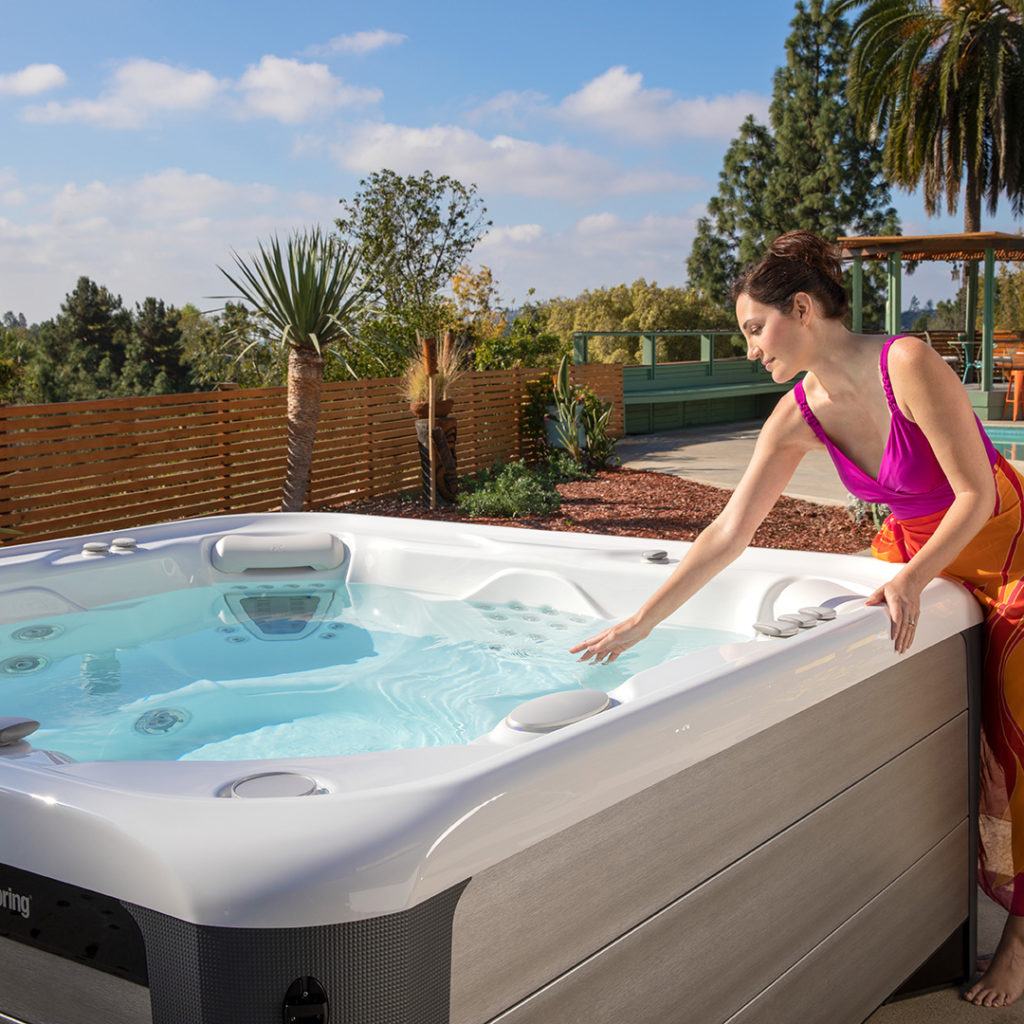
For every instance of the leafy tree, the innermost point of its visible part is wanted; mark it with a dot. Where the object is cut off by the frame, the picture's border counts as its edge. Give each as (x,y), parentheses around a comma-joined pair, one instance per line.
(16,340)
(80,354)
(305,299)
(479,318)
(229,349)
(738,225)
(153,353)
(944,82)
(1010,297)
(526,342)
(414,232)
(811,168)
(636,307)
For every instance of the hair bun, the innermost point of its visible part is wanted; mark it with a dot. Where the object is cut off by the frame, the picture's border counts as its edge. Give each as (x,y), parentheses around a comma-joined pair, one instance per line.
(796,261)
(812,249)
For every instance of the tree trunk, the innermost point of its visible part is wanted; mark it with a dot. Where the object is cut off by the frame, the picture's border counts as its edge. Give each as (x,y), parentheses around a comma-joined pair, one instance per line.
(305,380)
(972,222)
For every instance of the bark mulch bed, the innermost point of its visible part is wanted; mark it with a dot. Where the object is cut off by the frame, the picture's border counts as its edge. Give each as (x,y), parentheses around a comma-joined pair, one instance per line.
(644,503)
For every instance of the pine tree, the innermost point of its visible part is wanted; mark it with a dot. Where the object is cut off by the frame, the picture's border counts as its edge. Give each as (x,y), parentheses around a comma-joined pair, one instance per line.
(153,354)
(80,354)
(809,170)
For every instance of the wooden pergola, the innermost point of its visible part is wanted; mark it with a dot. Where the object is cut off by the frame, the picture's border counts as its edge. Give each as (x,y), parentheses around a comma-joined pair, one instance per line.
(967,247)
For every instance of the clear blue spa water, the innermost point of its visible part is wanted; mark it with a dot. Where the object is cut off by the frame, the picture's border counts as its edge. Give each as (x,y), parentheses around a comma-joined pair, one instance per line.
(293,670)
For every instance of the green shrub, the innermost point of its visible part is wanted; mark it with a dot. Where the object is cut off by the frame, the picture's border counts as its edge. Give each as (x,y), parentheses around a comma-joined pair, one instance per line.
(510,490)
(863,512)
(560,468)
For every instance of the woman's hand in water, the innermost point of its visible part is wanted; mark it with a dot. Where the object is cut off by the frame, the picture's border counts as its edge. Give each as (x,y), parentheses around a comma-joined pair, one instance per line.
(611,642)
(902,597)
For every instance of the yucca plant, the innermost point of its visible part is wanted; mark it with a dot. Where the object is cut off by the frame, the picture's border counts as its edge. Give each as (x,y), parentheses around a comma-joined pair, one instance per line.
(307,296)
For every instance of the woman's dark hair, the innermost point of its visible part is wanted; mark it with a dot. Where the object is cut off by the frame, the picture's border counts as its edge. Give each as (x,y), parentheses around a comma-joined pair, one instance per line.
(798,261)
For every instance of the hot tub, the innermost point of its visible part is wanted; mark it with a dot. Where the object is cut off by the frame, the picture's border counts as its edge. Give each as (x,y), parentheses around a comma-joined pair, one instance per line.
(338,768)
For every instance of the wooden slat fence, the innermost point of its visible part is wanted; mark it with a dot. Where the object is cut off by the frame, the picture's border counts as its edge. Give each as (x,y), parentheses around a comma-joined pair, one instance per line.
(88,467)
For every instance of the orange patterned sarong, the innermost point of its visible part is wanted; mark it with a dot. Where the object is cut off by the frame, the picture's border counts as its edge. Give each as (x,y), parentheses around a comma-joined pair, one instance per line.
(991,567)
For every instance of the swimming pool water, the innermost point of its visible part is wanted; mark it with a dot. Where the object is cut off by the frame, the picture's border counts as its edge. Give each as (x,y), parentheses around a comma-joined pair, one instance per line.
(1008,440)
(297,670)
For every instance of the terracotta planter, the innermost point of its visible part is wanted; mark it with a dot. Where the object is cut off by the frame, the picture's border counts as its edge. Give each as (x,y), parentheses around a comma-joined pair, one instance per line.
(442,407)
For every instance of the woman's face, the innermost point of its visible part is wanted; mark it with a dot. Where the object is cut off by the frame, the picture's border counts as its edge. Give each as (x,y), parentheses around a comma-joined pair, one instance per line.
(773,337)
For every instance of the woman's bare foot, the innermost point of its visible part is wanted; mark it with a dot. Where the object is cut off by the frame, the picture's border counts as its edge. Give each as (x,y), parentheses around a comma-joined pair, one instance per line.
(1003,981)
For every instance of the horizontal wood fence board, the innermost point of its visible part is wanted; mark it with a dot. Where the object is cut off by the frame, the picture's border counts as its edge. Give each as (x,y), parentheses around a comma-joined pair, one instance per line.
(110,464)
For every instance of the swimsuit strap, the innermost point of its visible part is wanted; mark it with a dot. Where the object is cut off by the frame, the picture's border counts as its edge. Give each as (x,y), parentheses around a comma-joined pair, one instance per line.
(884,360)
(798,393)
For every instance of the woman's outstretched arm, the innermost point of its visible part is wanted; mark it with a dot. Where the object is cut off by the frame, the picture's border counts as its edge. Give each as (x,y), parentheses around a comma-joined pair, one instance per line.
(782,442)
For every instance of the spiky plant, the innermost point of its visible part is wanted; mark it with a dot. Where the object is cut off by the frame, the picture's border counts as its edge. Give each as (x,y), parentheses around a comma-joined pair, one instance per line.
(307,296)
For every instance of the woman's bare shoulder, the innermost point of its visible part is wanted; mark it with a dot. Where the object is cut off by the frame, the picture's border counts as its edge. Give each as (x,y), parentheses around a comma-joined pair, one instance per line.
(786,426)
(917,374)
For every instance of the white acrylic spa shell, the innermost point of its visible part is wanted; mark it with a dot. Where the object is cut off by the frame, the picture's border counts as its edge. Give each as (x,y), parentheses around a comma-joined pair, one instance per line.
(384,831)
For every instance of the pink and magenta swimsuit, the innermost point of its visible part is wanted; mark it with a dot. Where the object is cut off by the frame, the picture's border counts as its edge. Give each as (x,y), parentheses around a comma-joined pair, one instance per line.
(910,480)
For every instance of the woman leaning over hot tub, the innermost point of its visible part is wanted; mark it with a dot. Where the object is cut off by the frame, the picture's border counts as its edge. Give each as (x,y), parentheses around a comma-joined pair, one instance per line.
(900,429)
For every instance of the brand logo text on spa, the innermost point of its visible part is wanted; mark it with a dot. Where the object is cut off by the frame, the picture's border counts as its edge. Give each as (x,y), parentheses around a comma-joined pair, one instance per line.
(13,901)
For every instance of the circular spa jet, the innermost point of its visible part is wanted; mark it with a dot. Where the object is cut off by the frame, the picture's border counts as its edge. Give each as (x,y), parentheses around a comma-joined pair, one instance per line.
(23,664)
(161,721)
(41,632)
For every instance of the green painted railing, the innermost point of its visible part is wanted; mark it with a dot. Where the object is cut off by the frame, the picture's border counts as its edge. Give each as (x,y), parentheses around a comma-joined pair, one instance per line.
(677,378)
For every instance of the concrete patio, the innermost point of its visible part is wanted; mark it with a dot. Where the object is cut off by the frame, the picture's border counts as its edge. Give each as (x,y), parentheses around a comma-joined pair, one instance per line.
(718,455)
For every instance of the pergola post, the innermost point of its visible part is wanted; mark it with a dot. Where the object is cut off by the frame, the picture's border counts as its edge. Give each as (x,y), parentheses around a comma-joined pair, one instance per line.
(971,312)
(649,352)
(988,319)
(579,348)
(858,294)
(893,300)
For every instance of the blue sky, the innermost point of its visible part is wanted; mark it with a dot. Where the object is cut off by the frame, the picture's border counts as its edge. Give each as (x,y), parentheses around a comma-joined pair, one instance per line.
(144,141)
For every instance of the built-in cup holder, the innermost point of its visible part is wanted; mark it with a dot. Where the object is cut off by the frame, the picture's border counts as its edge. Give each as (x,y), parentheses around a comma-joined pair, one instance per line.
(273,784)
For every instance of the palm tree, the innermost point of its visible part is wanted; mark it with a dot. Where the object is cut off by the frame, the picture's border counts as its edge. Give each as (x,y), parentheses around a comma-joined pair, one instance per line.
(307,298)
(944,79)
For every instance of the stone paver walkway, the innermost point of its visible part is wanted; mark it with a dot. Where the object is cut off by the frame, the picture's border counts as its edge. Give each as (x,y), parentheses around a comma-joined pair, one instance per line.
(719,454)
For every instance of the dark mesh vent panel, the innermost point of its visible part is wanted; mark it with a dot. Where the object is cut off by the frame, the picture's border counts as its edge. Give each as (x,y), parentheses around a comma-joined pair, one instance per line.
(394,969)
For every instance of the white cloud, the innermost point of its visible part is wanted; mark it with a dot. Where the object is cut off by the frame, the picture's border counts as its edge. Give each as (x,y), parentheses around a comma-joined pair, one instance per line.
(32,80)
(598,249)
(166,198)
(616,102)
(510,107)
(360,42)
(286,90)
(501,164)
(162,234)
(138,89)
(291,91)
(516,234)
(597,223)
